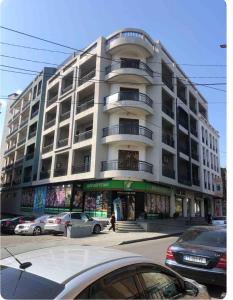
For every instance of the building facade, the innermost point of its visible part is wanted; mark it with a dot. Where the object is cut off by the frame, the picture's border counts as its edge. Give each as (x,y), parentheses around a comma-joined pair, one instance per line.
(122,130)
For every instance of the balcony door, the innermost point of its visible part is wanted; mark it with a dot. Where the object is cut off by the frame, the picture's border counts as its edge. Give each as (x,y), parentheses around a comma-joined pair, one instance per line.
(130,63)
(129,94)
(128,126)
(128,160)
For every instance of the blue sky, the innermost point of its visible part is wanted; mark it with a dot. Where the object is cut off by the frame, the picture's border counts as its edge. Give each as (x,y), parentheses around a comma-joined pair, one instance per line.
(190,30)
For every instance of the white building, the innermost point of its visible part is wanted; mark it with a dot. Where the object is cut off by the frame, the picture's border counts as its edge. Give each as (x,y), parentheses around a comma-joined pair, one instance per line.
(123,122)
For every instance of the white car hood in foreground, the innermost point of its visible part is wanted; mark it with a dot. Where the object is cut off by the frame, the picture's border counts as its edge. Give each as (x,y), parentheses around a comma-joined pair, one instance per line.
(62,262)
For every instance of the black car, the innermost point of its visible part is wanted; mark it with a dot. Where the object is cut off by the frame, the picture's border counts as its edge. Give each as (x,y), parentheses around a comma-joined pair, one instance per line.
(200,254)
(8,226)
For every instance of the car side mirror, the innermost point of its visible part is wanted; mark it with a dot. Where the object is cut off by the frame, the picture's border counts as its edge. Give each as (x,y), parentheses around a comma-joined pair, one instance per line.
(190,289)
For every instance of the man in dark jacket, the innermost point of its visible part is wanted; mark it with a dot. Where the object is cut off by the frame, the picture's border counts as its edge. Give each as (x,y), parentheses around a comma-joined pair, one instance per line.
(113,222)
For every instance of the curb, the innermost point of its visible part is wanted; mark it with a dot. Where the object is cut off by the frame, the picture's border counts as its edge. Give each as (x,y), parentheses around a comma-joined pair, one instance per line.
(150,238)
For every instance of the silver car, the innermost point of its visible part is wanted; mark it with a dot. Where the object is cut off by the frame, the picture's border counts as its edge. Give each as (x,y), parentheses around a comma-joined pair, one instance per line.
(35,227)
(85,272)
(58,224)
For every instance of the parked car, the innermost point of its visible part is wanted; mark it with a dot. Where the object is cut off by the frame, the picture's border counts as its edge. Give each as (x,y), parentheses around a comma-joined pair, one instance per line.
(85,272)
(219,221)
(8,226)
(200,254)
(58,224)
(34,227)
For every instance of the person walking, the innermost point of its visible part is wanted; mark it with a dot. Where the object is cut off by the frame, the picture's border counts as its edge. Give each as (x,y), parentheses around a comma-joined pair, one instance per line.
(113,222)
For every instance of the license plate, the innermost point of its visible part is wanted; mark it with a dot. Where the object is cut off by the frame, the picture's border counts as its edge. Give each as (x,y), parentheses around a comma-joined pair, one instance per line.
(195,259)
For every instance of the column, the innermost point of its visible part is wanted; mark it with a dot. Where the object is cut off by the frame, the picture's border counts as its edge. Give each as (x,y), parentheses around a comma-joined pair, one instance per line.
(202,208)
(192,207)
(185,207)
(172,203)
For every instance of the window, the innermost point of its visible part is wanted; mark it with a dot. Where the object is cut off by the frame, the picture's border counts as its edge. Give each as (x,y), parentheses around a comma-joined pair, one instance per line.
(158,285)
(119,284)
(34,92)
(39,88)
(76,216)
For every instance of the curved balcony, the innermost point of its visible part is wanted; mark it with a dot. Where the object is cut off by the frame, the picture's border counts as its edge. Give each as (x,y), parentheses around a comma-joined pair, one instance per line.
(134,100)
(124,134)
(138,40)
(130,166)
(129,71)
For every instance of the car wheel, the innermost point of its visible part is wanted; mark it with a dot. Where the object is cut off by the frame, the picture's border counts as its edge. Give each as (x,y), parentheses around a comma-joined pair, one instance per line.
(97,229)
(37,231)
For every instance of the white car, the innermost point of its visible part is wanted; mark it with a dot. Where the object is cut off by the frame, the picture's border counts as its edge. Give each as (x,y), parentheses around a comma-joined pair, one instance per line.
(35,227)
(86,272)
(58,224)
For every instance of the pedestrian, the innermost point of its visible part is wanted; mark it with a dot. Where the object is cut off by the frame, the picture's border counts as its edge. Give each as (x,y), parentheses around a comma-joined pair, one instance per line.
(113,222)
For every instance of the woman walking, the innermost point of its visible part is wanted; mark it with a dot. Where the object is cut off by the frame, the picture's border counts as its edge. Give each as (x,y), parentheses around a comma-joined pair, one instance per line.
(113,222)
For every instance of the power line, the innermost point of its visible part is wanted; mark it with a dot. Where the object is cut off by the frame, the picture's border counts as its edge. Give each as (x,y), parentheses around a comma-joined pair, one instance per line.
(29,60)
(83,51)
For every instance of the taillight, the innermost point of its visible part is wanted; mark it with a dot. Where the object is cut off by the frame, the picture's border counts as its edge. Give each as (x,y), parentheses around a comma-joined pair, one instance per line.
(58,221)
(222,263)
(169,254)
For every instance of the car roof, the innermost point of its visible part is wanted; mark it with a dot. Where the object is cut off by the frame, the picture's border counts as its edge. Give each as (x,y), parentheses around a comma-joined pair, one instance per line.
(59,263)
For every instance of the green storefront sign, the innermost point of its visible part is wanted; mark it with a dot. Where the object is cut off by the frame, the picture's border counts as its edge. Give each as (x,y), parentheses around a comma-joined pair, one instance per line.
(126,185)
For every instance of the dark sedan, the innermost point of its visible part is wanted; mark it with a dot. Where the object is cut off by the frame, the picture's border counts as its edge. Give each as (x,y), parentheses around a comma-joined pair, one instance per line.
(200,254)
(8,225)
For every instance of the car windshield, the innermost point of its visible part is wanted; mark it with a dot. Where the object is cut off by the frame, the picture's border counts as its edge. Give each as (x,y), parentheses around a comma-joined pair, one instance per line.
(211,238)
(60,215)
(19,284)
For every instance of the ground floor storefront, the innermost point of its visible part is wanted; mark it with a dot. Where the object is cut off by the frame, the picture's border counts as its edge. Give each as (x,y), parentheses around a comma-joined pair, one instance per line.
(129,200)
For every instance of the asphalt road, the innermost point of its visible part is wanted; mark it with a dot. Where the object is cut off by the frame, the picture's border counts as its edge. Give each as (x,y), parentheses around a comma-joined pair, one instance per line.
(156,250)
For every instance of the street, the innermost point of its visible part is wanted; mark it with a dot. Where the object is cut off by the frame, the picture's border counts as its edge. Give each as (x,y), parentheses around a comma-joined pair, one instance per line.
(154,249)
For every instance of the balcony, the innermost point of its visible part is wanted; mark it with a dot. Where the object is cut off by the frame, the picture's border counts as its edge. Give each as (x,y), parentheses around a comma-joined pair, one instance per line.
(127,166)
(85,106)
(129,70)
(16,115)
(13,131)
(129,99)
(128,129)
(19,161)
(17,181)
(51,100)
(22,141)
(167,110)
(60,172)
(83,136)
(86,77)
(33,114)
(62,142)
(193,131)
(168,139)
(167,172)
(81,169)
(184,149)
(67,88)
(64,116)
(27,179)
(184,180)
(31,134)
(25,105)
(29,156)
(195,156)
(49,124)
(45,174)
(47,148)
(131,39)
(10,149)
(9,166)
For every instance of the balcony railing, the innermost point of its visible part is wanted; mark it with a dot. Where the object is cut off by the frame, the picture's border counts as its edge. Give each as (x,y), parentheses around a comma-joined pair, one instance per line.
(10,149)
(33,114)
(167,110)
(167,172)
(128,129)
(19,161)
(81,169)
(16,115)
(64,116)
(51,100)
(23,123)
(85,106)
(131,64)
(29,156)
(167,82)
(26,105)
(62,143)
(49,124)
(184,149)
(27,179)
(47,148)
(16,181)
(193,109)
(183,123)
(196,181)
(66,89)
(182,98)
(168,139)
(86,77)
(13,131)
(83,136)
(9,166)
(128,96)
(127,165)
(195,155)
(184,180)
(45,174)
(193,131)
(60,172)
(20,142)
(31,134)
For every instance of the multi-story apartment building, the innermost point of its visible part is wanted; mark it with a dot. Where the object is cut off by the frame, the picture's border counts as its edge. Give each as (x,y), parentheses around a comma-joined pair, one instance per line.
(20,149)
(122,130)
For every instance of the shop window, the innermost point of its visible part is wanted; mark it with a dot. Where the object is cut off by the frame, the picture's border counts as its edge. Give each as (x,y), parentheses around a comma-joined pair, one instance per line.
(179,206)
(157,206)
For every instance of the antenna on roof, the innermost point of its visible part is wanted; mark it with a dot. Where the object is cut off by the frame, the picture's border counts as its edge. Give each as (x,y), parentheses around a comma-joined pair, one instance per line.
(21,265)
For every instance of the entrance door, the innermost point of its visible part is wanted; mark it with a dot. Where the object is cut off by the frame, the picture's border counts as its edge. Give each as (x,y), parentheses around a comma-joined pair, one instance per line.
(139,205)
(128,160)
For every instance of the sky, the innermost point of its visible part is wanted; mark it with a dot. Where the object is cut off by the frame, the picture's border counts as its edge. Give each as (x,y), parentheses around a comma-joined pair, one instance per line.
(190,30)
